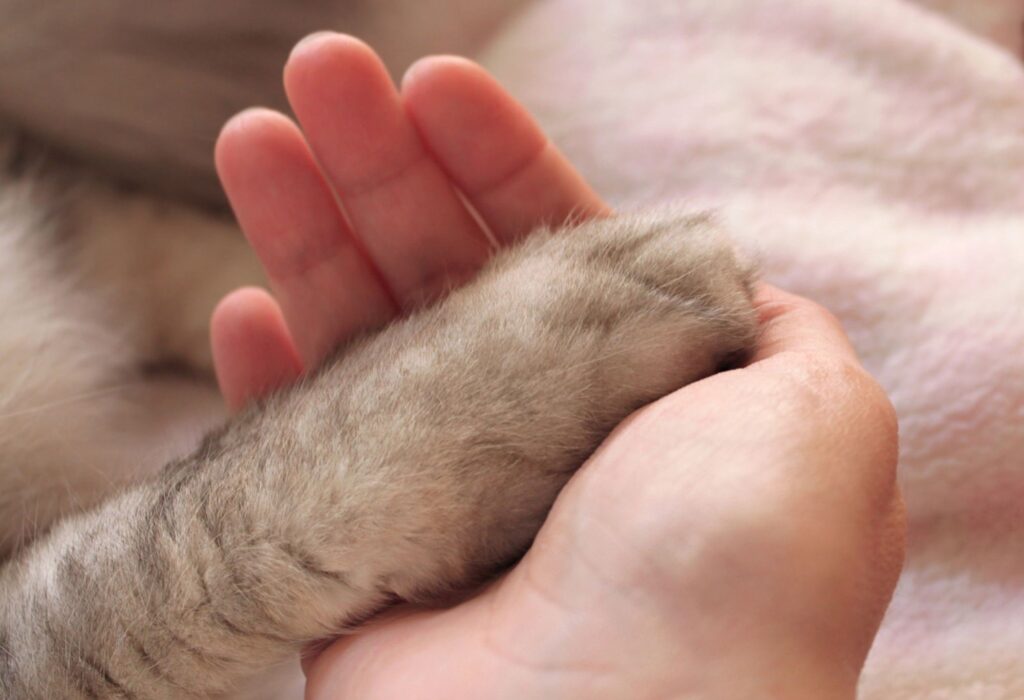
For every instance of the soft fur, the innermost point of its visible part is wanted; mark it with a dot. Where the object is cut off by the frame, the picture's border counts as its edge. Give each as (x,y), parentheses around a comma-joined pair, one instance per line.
(141,90)
(419,460)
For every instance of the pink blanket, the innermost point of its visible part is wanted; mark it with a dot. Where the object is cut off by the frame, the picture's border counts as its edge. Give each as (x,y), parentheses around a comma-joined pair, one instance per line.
(873,154)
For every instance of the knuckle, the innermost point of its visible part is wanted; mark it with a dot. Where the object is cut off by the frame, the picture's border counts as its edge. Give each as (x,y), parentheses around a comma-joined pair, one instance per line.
(864,400)
(812,382)
(837,387)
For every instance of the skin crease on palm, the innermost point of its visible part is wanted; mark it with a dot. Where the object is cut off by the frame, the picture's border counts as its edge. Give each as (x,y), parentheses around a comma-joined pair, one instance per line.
(739,538)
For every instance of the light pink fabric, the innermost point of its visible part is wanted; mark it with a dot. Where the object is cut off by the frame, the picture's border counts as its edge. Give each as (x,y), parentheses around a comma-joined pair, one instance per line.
(872,153)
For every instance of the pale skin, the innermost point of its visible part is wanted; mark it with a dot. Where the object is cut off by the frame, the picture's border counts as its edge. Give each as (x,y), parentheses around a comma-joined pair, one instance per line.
(739,538)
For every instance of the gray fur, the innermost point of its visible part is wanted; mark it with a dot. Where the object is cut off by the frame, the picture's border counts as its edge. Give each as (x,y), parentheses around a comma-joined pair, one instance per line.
(140,89)
(421,459)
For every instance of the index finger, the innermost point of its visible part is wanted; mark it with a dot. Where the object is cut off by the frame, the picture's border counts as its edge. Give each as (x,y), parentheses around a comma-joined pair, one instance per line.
(791,323)
(401,205)
(493,150)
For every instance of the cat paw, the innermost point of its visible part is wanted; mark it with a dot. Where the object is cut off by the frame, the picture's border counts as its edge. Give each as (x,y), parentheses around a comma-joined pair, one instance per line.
(664,300)
(456,427)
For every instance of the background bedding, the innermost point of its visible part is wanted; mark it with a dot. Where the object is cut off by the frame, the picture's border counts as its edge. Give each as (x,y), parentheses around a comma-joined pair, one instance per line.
(873,155)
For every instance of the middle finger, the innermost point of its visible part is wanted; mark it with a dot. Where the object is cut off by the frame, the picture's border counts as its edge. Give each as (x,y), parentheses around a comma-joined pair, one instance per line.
(400,203)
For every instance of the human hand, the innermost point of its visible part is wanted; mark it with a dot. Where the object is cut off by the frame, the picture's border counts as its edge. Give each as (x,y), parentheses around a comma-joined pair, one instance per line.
(394,160)
(739,538)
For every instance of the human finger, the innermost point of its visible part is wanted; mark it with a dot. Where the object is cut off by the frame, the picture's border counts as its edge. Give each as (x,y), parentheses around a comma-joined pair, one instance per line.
(493,150)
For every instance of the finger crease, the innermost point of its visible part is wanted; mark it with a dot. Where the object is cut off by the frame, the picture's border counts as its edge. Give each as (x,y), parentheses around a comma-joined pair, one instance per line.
(512,173)
(364,187)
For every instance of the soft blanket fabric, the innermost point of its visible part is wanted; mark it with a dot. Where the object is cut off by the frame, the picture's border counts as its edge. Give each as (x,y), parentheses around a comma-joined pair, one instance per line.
(873,155)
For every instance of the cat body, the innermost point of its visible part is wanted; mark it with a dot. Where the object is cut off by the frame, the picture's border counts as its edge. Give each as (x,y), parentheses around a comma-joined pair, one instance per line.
(419,460)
